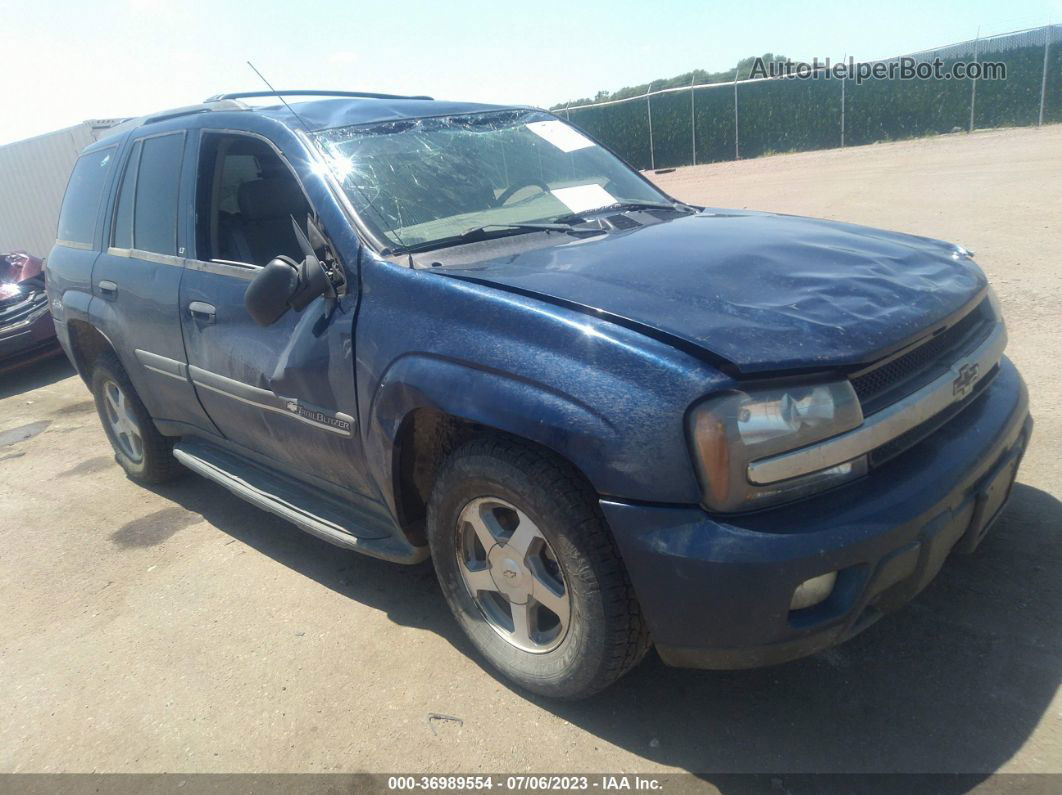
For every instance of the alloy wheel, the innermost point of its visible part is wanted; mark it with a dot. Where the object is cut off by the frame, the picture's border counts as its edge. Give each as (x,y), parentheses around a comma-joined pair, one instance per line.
(512,574)
(123,423)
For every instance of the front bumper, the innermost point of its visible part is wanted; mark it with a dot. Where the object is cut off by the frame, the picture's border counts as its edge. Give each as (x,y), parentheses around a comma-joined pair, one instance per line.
(716,591)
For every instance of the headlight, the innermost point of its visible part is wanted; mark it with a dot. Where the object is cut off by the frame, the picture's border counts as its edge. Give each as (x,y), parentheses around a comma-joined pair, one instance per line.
(730,430)
(993,301)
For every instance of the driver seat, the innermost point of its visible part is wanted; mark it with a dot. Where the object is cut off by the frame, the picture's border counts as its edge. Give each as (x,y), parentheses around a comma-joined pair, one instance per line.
(262,230)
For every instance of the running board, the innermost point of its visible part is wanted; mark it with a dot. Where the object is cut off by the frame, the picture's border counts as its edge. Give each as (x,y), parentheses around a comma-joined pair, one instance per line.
(329,519)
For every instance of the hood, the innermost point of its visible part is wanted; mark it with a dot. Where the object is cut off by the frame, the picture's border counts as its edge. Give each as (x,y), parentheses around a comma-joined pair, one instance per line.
(763,292)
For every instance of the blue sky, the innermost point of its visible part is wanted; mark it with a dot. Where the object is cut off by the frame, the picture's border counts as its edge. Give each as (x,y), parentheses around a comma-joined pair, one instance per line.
(69,61)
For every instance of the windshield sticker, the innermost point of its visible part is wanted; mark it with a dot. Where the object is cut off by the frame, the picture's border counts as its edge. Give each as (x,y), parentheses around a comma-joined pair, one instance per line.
(584,197)
(565,138)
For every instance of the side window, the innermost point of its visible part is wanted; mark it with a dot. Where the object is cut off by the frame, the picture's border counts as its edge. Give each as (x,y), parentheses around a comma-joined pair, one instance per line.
(123,218)
(81,204)
(245,199)
(157,183)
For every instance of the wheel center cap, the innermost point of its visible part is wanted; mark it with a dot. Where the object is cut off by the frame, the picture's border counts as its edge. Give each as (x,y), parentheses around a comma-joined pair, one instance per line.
(509,574)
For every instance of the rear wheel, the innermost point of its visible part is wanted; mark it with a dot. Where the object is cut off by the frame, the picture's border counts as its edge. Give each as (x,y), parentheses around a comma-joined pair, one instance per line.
(529,568)
(144,453)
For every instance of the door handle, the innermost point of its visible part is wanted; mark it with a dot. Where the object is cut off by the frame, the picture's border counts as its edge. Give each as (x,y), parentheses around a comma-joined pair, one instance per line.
(202,311)
(107,288)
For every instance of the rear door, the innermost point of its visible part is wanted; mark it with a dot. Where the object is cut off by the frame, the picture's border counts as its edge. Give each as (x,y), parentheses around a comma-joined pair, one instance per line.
(283,393)
(136,280)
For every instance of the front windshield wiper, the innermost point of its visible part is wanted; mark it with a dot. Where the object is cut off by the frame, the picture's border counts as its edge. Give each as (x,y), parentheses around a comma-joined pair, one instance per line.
(489,231)
(631,205)
(556,226)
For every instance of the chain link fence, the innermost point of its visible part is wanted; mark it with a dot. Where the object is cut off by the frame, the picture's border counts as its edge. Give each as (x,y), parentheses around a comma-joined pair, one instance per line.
(747,118)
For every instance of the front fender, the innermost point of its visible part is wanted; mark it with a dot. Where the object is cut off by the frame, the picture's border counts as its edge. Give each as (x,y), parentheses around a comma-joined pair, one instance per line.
(608,399)
(461,389)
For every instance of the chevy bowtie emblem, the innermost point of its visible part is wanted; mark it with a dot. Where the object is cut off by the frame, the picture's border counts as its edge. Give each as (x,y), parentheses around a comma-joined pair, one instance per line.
(967,377)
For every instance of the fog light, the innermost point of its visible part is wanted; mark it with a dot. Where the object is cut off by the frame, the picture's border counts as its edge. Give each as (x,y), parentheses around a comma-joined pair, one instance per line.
(811,592)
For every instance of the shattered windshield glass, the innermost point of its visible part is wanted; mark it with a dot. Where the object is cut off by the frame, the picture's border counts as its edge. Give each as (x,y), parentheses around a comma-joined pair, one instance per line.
(421,181)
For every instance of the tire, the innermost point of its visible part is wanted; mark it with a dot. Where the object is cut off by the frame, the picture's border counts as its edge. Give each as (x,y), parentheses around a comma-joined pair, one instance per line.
(514,490)
(144,453)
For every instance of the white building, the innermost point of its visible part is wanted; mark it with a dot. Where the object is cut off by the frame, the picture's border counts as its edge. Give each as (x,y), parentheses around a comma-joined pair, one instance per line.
(33,177)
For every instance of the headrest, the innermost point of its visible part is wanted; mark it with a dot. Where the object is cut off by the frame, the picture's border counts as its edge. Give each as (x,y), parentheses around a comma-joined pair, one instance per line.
(272,198)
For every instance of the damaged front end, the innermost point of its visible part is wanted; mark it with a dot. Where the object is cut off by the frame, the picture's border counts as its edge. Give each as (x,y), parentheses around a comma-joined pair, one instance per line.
(27,332)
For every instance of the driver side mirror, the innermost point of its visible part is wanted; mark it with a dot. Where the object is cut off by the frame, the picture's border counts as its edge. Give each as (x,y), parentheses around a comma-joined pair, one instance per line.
(284,284)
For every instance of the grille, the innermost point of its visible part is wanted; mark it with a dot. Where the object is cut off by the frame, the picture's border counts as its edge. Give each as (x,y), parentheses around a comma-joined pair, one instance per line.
(904,374)
(908,440)
(18,308)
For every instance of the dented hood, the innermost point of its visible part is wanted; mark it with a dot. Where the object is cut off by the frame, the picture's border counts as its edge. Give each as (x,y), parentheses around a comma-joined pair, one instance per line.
(764,292)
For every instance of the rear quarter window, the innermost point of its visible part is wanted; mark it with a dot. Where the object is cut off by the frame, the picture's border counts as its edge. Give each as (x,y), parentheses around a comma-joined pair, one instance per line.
(81,204)
(123,221)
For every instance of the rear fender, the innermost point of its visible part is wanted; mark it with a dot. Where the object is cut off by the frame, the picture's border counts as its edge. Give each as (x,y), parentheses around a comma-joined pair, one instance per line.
(70,306)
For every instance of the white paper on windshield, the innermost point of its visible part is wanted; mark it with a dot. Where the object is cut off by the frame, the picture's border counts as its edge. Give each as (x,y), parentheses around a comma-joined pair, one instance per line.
(584,197)
(565,138)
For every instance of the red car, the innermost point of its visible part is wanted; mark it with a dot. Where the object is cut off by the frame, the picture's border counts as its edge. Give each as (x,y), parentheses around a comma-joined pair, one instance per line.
(27,332)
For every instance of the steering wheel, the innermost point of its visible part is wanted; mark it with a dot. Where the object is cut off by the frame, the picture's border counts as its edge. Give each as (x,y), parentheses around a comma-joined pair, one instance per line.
(512,189)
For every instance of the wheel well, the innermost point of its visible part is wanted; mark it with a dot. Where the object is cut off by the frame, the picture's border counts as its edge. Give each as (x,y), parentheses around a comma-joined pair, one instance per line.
(86,343)
(425,438)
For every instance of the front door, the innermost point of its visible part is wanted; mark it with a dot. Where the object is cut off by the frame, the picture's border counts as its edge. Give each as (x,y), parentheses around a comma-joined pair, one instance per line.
(283,393)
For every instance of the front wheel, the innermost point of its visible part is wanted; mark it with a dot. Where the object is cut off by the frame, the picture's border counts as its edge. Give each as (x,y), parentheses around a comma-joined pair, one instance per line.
(528,566)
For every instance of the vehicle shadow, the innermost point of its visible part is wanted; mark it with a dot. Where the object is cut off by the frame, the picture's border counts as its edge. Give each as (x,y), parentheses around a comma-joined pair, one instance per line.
(409,595)
(953,683)
(34,375)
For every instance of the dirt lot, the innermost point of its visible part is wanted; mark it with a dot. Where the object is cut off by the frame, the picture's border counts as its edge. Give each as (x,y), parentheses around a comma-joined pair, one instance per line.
(179,629)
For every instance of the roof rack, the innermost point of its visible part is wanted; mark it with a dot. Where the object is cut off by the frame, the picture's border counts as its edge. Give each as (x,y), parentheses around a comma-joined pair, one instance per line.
(129,124)
(302,92)
(187,110)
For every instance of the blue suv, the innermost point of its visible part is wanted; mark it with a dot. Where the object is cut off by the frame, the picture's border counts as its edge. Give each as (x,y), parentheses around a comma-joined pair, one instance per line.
(613,420)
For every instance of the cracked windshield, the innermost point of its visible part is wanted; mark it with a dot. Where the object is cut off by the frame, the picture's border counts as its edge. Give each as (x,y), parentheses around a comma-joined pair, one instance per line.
(422,182)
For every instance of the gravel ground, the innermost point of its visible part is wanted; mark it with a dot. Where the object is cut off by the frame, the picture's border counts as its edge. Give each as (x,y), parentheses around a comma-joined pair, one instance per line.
(179,629)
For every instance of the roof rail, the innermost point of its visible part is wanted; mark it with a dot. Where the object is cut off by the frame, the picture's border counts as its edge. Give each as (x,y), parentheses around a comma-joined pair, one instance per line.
(125,125)
(303,92)
(187,110)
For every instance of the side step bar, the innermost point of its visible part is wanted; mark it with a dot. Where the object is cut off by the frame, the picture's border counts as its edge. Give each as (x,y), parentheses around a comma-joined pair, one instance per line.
(312,511)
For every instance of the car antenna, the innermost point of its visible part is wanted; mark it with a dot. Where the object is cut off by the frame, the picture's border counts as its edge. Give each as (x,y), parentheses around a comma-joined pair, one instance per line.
(305,126)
